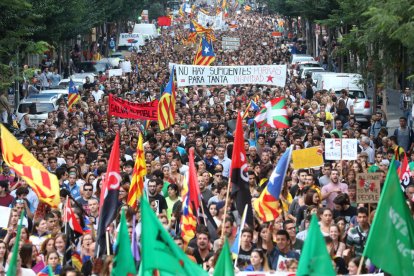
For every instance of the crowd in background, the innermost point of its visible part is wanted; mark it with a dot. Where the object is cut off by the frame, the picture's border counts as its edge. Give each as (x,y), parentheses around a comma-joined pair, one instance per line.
(76,146)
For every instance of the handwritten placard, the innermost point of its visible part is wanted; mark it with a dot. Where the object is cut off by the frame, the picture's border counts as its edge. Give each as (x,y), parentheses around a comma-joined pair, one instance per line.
(368,187)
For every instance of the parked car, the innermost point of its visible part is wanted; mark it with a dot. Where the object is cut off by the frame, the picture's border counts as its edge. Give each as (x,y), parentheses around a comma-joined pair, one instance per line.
(295,58)
(353,83)
(39,107)
(307,70)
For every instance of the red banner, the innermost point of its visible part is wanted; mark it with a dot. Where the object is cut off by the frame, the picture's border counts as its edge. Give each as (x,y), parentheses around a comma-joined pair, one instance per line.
(164,21)
(124,109)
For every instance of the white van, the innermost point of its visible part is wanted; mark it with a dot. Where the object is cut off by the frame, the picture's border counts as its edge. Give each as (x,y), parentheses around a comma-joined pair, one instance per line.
(146,29)
(351,82)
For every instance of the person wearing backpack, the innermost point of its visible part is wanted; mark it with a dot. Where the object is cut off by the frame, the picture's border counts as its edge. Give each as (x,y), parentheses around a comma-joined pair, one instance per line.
(405,135)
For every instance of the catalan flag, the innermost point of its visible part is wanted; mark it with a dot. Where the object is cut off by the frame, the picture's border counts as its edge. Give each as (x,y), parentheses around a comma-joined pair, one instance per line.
(205,53)
(192,36)
(166,105)
(267,205)
(247,8)
(191,203)
(73,96)
(137,181)
(251,105)
(43,183)
(208,32)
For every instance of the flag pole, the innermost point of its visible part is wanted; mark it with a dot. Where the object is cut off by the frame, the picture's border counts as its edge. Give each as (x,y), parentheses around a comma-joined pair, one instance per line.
(360,265)
(202,211)
(66,224)
(225,208)
(108,250)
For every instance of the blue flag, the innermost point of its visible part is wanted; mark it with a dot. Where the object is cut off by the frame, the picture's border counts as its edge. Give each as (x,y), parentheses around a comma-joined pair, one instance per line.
(278,176)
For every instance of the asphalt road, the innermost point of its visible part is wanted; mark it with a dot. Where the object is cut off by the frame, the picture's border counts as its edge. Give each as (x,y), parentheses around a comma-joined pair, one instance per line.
(393,111)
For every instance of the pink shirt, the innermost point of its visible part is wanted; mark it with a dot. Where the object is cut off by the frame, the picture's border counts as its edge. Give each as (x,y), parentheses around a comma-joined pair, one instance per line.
(332,187)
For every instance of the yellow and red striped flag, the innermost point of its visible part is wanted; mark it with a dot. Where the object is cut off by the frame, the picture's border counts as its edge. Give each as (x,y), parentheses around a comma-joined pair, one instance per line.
(205,53)
(73,96)
(267,206)
(43,183)
(166,105)
(136,189)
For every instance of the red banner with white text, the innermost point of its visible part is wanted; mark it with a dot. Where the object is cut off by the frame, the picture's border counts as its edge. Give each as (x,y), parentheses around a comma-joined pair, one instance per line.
(139,111)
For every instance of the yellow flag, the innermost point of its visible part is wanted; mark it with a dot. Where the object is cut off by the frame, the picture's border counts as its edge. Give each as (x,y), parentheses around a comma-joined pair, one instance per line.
(140,170)
(43,183)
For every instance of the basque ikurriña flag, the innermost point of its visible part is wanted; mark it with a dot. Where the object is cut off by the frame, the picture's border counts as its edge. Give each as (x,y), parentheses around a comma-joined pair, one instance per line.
(273,114)
(239,177)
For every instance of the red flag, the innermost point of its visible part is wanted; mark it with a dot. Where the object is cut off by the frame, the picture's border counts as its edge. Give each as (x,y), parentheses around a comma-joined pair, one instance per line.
(164,21)
(404,173)
(69,217)
(193,188)
(238,175)
(109,197)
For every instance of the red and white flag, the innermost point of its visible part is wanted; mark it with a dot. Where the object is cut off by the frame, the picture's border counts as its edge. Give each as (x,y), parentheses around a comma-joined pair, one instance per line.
(404,173)
(70,218)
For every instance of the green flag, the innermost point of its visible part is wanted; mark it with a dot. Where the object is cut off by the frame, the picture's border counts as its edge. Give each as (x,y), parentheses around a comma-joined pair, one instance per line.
(159,251)
(124,263)
(13,262)
(390,241)
(315,259)
(224,265)
(50,271)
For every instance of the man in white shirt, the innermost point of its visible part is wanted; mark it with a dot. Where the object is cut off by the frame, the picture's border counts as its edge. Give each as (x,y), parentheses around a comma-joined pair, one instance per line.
(223,160)
(97,93)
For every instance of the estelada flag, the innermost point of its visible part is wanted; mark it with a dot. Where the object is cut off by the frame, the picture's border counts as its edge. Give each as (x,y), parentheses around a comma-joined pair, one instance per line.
(238,175)
(164,21)
(43,183)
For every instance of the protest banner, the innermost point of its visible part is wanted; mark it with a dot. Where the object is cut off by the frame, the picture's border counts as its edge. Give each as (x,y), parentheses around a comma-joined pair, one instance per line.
(341,149)
(114,72)
(139,111)
(230,43)
(307,158)
(368,187)
(188,75)
(5,215)
(214,21)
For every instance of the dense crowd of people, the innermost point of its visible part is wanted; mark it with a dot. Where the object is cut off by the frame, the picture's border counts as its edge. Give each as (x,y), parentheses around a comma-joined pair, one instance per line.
(76,147)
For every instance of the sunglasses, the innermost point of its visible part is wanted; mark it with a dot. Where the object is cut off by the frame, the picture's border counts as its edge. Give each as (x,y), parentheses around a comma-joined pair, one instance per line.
(88,190)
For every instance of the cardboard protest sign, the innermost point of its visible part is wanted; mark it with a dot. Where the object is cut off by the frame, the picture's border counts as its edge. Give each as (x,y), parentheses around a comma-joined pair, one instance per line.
(307,158)
(188,75)
(368,187)
(141,111)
